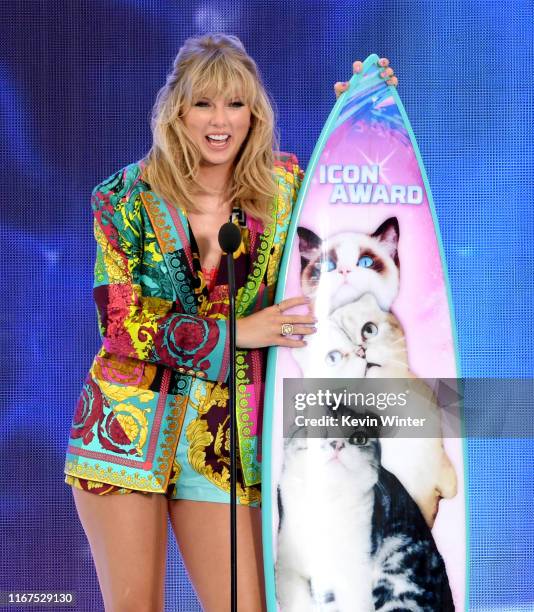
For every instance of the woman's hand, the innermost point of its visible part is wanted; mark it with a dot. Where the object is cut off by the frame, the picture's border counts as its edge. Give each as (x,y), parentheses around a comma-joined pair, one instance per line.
(264,328)
(387,73)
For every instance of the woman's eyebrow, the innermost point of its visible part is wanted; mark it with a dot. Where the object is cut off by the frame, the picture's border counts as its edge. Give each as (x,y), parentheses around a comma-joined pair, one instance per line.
(226,98)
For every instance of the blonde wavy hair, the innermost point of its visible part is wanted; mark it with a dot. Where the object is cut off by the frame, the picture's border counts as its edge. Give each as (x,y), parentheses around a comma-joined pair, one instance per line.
(211,65)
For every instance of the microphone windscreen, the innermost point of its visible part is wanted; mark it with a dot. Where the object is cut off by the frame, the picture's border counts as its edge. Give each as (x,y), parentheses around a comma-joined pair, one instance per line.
(229,237)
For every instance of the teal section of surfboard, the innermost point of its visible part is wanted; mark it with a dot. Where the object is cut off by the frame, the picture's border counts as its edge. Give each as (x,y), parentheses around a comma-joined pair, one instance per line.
(369,78)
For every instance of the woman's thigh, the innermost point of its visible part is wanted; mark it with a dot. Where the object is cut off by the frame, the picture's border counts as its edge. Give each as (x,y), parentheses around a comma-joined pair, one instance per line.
(202,531)
(128,539)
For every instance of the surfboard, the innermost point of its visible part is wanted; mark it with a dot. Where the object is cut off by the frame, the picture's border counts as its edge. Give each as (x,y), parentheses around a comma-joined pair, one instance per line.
(348,516)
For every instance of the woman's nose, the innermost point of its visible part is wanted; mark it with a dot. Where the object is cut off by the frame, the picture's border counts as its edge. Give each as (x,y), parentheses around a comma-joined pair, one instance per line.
(218,116)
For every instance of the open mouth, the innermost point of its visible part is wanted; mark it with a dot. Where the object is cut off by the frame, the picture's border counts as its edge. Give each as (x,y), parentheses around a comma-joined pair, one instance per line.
(218,141)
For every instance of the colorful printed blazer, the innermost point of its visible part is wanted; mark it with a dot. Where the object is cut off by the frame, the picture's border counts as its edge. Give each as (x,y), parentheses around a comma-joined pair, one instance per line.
(164,342)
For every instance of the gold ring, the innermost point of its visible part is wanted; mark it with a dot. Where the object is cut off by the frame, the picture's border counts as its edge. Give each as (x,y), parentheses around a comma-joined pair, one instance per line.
(286,329)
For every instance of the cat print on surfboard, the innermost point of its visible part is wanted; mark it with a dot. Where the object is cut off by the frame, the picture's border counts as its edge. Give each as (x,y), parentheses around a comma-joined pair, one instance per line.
(364,246)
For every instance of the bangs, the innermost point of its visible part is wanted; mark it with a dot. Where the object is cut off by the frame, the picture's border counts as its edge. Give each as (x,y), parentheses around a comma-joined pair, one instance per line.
(220,76)
(213,66)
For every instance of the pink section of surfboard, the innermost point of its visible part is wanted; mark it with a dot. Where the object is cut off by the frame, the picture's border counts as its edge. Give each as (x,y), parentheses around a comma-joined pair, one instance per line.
(421,305)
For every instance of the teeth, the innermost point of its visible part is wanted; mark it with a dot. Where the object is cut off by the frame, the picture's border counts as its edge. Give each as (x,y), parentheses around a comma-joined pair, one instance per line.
(218,136)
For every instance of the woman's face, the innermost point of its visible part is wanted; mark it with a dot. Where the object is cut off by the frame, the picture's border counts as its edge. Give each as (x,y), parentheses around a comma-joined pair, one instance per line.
(218,125)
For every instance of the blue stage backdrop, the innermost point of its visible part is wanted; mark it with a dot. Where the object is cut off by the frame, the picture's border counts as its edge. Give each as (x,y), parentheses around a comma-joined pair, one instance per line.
(78,82)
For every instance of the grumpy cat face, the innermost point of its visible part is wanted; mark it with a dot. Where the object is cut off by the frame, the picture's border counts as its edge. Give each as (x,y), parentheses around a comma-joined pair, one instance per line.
(341,268)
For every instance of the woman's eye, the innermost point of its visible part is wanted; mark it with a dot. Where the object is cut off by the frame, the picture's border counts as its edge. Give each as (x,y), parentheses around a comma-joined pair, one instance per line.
(237,104)
(333,357)
(201,103)
(369,330)
(365,261)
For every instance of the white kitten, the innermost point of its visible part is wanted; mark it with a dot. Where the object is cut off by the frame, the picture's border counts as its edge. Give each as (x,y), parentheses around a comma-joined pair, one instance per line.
(324,542)
(329,353)
(421,464)
(378,336)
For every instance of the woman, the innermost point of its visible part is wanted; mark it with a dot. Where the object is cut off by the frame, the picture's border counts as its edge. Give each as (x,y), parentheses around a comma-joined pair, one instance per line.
(152,417)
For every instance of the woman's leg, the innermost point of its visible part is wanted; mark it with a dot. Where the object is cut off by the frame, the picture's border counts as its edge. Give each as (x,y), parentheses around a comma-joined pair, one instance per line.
(128,539)
(202,531)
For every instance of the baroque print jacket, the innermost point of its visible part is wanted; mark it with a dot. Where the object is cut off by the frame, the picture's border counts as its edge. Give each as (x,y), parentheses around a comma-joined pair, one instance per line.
(165,336)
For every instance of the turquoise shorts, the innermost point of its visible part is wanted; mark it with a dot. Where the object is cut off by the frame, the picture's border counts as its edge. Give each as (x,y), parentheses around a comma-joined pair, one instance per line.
(196,482)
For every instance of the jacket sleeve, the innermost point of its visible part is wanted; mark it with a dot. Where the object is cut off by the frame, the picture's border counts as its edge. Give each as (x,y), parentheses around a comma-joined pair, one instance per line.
(138,326)
(287,166)
(298,177)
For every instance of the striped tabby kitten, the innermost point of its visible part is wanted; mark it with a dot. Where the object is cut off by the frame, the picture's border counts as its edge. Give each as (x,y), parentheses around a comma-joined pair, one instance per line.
(420,463)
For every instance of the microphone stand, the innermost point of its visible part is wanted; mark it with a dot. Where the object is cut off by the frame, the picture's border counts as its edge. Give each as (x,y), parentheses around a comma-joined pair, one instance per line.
(233,434)
(229,241)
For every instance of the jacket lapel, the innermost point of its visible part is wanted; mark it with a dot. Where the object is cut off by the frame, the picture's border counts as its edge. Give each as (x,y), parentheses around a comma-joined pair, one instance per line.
(261,242)
(172,233)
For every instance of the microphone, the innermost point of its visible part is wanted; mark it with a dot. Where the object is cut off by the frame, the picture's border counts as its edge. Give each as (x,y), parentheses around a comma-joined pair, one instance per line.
(229,237)
(229,241)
